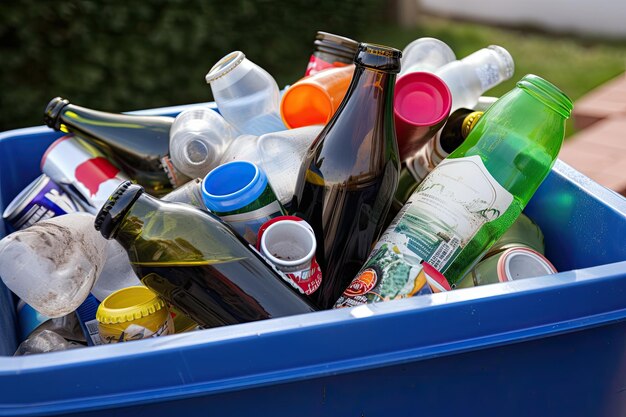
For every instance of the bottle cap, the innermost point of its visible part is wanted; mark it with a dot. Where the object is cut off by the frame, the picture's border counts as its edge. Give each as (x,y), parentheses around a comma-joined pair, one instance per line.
(422,104)
(52,112)
(469,122)
(232,186)
(127,304)
(114,210)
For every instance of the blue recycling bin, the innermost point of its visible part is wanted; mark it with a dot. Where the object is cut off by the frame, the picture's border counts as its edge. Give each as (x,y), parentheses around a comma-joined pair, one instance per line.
(546,346)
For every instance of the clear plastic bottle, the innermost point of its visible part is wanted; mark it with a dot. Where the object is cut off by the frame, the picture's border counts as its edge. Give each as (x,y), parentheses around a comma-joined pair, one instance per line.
(425,54)
(471,76)
(246,95)
(279,154)
(53,264)
(198,138)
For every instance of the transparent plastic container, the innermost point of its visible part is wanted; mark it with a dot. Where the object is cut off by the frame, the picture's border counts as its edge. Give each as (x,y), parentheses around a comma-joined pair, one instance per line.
(425,55)
(198,138)
(246,95)
(279,154)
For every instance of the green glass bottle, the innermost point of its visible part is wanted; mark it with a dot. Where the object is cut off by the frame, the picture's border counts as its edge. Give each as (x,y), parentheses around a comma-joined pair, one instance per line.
(349,175)
(196,262)
(471,198)
(139,144)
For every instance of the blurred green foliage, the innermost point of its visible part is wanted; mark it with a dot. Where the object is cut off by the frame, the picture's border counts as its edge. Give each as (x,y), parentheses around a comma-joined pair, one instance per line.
(120,55)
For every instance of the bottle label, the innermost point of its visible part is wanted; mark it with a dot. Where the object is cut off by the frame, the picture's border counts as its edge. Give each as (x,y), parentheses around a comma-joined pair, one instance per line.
(489,75)
(317,64)
(248,224)
(437,222)
(173,175)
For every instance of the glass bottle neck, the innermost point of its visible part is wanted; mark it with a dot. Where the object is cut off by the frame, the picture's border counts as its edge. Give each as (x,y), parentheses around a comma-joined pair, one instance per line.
(130,223)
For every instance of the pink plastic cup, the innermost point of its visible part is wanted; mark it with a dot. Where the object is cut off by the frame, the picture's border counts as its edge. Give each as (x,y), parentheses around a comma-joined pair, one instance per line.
(422,103)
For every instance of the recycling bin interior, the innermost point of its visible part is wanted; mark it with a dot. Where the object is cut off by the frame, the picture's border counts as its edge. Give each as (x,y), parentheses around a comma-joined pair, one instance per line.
(553,345)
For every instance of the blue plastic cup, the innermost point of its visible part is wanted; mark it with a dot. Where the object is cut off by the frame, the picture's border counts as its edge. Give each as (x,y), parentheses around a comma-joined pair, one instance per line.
(239,193)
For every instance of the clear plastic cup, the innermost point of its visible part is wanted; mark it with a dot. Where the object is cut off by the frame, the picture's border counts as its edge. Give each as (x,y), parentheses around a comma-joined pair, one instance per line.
(198,138)
(425,54)
(313,100)
(246,95)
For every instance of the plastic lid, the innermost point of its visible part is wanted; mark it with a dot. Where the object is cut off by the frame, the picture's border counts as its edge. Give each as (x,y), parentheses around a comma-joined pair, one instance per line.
(232,186)
(520,263)
(422,99)
(129,304)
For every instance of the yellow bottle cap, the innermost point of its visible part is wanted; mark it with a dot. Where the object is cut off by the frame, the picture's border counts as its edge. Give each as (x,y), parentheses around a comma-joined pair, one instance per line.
(128,304)
(469,122)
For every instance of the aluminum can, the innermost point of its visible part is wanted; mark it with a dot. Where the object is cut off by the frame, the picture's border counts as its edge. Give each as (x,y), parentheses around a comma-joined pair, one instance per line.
(288,242)
(42,199)
(82,171)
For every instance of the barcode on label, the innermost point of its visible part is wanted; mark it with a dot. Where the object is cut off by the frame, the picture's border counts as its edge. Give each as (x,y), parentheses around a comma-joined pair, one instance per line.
(443,253)
(92,328)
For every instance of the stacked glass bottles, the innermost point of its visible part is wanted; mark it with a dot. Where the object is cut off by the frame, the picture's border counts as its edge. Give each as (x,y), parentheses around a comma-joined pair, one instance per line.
(346,182)
(471,76)
(139,144)
(473,196)
(195,262)
(246,95)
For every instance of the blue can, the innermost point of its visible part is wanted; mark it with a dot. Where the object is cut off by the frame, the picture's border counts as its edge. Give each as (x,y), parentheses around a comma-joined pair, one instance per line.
(40,200)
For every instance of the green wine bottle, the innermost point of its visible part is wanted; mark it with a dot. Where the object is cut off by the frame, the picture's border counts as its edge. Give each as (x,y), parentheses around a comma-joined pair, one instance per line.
(471,198)
(196,262)
(138,144)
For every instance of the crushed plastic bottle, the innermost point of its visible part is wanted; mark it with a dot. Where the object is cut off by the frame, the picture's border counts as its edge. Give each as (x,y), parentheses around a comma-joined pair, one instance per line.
(53,264)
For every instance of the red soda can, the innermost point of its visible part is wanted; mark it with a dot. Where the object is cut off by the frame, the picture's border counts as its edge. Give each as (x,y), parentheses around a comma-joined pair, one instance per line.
(288,242)
(82,171)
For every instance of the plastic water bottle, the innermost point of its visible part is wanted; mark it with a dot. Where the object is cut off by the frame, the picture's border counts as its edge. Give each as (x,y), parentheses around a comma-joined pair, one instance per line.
(246,95)
(198,138)
(279,154)
(53,264)
(425,54)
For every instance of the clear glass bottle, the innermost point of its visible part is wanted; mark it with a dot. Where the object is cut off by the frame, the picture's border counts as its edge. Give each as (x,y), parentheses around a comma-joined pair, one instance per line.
(346,182)
(471,76)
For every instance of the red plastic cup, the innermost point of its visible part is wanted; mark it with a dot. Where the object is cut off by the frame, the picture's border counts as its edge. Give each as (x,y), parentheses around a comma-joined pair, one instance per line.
(422,103)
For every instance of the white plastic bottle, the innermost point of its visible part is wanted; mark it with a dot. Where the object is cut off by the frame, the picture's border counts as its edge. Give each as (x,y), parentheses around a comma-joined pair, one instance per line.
(279,154)
(198,138)
(471,76)
(246,95)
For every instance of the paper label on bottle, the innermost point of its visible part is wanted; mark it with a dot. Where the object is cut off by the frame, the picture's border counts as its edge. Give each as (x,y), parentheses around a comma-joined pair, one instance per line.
(437,222)
(248,224)
(450,206)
